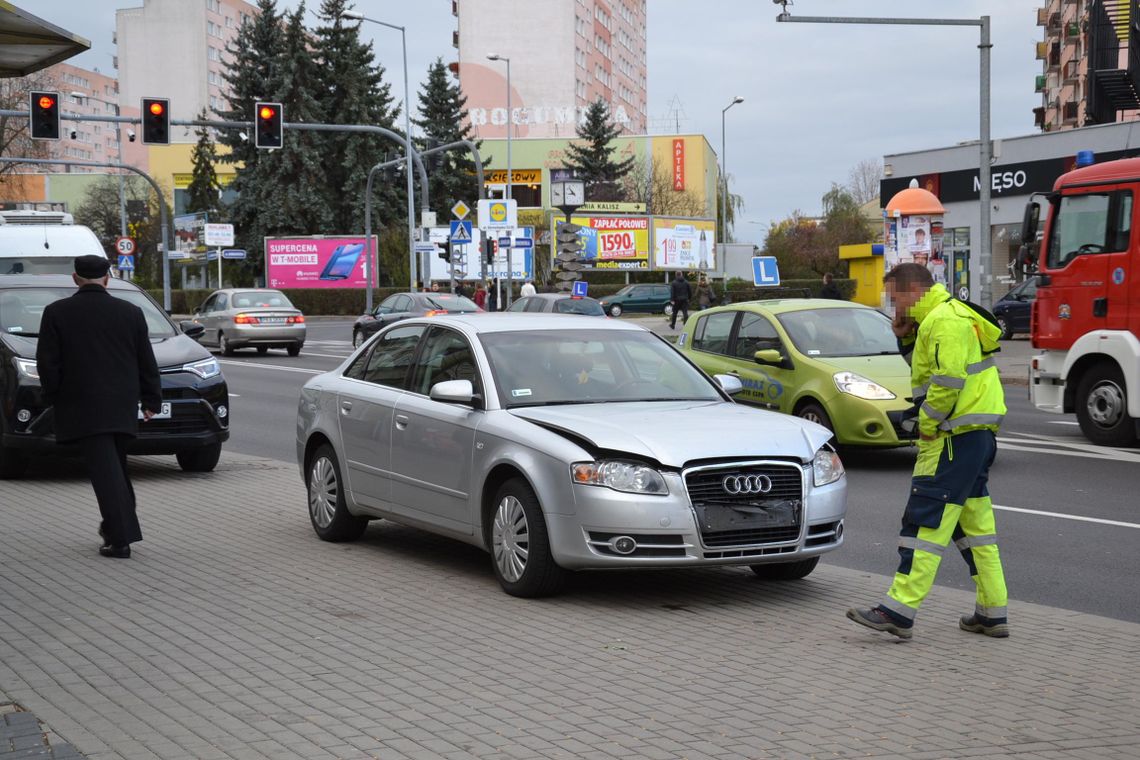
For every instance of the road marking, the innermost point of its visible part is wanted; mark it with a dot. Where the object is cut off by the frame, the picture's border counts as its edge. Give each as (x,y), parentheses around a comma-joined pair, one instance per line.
(1063,422)
(1063,516)
(1068,447)
(255,365)
(328,356)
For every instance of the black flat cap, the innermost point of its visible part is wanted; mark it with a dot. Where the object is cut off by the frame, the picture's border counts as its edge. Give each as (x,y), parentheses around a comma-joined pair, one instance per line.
(91,267)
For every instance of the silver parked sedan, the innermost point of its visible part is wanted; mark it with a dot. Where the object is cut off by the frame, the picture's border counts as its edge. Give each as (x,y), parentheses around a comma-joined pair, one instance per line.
(563,442)
(258,318)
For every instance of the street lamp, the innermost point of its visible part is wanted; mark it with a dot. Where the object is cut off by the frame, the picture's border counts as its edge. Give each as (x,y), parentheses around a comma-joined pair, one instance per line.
(357,16)
(985,150)
(724,179)
(510,176)
(119,148)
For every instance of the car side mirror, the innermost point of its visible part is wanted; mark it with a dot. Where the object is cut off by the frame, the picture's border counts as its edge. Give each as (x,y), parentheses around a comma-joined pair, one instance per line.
(191,329)
(1029,222)
(455,392)
(769,356)
(730,384)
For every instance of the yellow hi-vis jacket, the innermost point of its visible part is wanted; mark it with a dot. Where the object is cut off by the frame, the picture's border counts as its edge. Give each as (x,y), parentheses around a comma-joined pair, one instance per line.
(953,372)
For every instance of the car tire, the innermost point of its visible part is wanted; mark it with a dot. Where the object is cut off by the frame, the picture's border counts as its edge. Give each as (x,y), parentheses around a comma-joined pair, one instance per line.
(1006,333)
(13,463)
(262,350)
(294,349)
(224,347)
(203,459)
(1102,406)
(786,571)
(520,544)
(357,339)
(325,494)
(813,412)
(615,310)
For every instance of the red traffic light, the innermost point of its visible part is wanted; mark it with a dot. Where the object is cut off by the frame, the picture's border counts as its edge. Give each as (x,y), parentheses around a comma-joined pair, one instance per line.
(46,101)
(267,113)
(157,108)
(268,125)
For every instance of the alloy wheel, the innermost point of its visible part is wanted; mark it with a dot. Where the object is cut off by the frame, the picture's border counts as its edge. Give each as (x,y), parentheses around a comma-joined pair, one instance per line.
(510,539)
(323,492)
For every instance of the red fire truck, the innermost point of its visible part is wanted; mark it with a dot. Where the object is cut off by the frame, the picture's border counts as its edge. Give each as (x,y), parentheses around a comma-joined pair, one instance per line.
(1086,318)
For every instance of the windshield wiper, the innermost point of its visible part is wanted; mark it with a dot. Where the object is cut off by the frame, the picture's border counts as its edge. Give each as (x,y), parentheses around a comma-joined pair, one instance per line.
(525,404)
(21,334)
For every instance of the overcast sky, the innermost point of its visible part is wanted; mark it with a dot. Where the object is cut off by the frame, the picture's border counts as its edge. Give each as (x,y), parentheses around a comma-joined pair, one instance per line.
(818,98)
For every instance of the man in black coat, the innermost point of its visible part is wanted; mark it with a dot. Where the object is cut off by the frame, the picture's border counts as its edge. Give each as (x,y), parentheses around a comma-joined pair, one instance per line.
(680,292)
(96,366)
(830,289)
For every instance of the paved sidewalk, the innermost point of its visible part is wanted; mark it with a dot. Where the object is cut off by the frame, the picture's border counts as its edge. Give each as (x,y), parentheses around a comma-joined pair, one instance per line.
(234,633)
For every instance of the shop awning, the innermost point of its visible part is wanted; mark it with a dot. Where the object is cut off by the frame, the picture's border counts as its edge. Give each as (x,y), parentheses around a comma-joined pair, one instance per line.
(29,44)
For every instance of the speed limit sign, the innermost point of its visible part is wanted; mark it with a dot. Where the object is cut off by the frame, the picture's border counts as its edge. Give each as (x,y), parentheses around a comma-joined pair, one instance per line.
(125,246)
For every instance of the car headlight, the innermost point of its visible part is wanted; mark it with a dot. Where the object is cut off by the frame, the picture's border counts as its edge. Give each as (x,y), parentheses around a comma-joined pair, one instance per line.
(826,467)
(27,368)
(629,477)
(204,369)
(861,387)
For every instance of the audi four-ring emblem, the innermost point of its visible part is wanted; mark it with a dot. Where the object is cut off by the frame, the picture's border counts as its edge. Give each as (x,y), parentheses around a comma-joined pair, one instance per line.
(739,485)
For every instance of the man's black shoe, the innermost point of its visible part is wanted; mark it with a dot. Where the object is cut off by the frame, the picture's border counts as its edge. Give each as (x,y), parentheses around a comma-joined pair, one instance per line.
(118,552)
(998,629)
(879,621)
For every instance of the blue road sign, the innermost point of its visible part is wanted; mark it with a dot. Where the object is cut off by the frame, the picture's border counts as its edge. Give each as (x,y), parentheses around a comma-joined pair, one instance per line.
(504,242)
(579,289)
(126,263)
(765,271)
(524,242)
(425,248)
(233,253)
(211,255)
(460,232)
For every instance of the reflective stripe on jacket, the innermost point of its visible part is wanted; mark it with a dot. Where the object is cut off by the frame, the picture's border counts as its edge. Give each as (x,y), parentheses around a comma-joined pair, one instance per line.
(952,363)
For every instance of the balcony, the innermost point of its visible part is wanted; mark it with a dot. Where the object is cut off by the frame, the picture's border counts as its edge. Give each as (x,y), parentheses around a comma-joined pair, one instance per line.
(455,39)
(1071,72)
(1054,61)
(1072,32)
(1039,117)
(1054,24)
(1042,16)
(1113,61)
(1039,85)
(1042,50)
(1069,112)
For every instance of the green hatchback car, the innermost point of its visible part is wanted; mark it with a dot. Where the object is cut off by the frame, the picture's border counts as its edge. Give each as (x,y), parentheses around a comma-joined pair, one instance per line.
(832,362)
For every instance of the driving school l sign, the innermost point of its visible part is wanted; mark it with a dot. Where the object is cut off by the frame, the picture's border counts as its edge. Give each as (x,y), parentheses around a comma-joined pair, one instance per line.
(498,214)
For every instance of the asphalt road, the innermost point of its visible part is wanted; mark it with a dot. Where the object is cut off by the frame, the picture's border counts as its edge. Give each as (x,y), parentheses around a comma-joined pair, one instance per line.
(1068,521)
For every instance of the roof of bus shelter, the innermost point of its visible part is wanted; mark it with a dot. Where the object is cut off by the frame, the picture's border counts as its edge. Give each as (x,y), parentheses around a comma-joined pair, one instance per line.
(28,43)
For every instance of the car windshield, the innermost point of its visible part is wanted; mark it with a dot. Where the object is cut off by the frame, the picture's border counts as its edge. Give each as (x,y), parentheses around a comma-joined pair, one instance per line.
(21,309)
(550,367)
(449,302)
(840,332)
(253,299)
(626,289)
(37,264)
(587,306)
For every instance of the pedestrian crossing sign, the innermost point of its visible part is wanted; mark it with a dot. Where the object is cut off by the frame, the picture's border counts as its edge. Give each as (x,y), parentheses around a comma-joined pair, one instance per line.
(460,232)
(126,264)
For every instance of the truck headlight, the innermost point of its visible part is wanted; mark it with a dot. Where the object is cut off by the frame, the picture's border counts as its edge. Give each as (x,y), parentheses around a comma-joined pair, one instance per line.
(26,368)
(204,369)
(861,387)
(826,467)
(629,477)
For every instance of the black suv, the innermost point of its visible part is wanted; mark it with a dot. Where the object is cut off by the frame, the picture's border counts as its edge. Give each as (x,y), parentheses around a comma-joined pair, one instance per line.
(194,420)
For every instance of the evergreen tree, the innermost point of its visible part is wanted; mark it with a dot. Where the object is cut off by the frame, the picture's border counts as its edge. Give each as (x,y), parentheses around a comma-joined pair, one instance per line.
(442,119)
(351,90)
(593,161)
(203,189)
(255,60)
(296,174)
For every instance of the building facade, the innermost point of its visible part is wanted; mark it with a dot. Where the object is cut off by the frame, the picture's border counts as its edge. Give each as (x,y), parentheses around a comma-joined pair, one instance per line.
(564,55)
(1090,57)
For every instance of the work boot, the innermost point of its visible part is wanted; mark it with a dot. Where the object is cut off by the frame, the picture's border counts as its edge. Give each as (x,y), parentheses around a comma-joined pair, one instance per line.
(998,628)
(879,620)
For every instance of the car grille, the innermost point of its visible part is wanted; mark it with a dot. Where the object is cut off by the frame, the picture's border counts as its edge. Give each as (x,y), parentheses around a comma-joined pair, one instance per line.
(185,419)
(725,519)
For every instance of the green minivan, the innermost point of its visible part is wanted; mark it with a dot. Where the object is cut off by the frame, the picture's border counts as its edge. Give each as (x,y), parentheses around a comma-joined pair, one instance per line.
(642,297)
(832,362)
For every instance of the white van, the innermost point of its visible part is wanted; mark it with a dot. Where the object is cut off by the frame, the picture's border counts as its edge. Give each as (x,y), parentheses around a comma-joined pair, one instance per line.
(43,242)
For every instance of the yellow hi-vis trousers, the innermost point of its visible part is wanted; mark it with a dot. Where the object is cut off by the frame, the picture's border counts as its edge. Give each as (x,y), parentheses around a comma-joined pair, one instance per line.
(949,501)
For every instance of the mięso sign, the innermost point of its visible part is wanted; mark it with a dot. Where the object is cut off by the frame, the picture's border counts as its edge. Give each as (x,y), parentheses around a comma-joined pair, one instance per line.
(1005,179)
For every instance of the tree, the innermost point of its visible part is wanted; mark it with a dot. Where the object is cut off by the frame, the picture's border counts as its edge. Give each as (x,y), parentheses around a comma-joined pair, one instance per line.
(651,182)
(807,247)
(726,211)
(593,160)
(99,209)
(204,188)
(442,119)
(863,180)
(15,131)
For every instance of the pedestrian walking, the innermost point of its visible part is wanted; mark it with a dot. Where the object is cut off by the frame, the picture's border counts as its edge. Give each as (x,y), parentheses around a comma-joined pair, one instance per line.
(527,289)
(97,370)
(960,404)
(493,295)
(680,292)
(705,294)
(830,289)
(480,296)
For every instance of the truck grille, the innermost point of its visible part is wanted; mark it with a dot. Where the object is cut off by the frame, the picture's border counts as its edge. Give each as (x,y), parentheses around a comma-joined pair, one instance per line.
(759,504)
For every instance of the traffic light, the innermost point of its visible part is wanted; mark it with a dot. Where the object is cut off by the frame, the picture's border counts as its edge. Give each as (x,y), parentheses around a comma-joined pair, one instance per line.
(268,125)
(45,115)
(156,121)
(490,249)
(434,160)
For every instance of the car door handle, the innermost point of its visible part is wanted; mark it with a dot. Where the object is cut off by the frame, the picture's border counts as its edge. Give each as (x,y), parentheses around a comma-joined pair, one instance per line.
(346,406)
(401,422)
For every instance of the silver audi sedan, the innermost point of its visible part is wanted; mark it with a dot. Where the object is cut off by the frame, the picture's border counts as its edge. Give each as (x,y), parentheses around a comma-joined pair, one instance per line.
(559,443)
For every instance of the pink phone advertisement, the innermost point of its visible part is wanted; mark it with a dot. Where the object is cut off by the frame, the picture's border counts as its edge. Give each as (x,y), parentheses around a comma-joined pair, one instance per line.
(316,262)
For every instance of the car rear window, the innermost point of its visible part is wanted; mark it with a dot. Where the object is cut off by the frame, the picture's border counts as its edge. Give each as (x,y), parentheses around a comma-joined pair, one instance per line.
(252,299)
(587,306)
(450,302)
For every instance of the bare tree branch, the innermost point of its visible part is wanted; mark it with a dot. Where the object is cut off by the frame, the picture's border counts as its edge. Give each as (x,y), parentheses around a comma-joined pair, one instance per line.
(863,180)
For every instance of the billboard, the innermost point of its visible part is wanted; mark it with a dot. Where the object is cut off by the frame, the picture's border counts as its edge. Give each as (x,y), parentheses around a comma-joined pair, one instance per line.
(684,243)
(614,242)
(332,262)
(190,234)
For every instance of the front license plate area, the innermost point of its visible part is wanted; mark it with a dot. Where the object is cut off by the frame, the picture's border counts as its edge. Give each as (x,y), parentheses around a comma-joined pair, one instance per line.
(782,513)
(163,414)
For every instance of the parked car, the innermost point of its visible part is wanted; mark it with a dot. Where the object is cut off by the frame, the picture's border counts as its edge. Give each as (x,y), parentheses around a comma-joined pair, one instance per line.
(639,298)
(1012,310)
(571,443)
(194,418)
(405,305)
(258,318)
(835,363)
(559,303)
